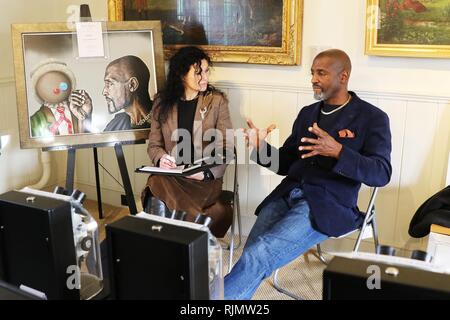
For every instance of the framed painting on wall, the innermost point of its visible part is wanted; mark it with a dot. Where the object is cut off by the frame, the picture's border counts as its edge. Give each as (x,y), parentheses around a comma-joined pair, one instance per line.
(245,31)
(64,100)
(408,28)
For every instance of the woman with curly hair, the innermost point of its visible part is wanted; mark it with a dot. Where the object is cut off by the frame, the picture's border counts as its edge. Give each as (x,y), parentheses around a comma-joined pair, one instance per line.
(189,121)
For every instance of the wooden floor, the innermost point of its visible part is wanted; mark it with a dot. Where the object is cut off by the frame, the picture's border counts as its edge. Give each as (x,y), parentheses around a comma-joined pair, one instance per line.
(110,214)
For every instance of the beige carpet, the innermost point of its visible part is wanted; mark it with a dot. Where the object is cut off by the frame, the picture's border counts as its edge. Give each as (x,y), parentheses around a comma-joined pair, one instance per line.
(303,278)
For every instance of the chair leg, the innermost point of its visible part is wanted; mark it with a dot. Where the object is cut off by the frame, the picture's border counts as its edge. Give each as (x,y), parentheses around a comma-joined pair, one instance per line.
(277,286)
(230,262)
(320,255)
(238,213)
(375,233)
(282,290)
(231,245)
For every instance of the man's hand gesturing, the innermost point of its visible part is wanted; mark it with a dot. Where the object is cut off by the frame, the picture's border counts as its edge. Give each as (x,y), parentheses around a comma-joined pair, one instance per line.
(255,136)
(324,145)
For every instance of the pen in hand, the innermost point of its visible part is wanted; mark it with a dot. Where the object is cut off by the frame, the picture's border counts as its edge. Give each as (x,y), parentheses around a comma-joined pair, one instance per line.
(167,162)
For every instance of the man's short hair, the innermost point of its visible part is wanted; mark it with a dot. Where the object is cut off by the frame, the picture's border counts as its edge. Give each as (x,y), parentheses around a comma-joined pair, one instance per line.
(341,59)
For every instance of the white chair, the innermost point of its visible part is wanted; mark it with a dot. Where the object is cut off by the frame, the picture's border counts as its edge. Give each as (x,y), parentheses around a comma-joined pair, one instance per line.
(369,220)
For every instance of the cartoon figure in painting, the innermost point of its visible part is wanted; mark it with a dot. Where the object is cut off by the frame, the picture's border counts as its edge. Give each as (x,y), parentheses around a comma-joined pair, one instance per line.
(64,110)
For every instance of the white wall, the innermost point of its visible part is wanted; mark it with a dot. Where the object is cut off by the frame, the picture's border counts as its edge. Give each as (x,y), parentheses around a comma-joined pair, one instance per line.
(18,167)
(412,91)
(447,181)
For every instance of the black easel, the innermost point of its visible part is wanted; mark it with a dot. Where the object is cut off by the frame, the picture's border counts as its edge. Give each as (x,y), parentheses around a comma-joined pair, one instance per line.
(85,13)
(70,174)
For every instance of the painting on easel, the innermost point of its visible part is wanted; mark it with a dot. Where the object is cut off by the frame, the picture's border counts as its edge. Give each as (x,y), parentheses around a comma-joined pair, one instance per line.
(64,100)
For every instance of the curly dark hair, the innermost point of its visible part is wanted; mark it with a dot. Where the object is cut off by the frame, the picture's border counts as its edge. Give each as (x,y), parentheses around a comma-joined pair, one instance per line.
(179,66)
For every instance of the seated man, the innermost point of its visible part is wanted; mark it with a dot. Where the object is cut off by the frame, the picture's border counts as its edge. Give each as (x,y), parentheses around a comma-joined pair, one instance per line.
(335,145)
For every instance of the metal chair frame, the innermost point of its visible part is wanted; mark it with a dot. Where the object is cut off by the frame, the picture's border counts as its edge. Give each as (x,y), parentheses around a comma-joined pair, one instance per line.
(234,198)
(369,219)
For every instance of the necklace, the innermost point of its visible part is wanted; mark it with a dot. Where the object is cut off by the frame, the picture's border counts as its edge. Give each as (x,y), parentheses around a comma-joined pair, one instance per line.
(337,109)
(194,98)
(144,120)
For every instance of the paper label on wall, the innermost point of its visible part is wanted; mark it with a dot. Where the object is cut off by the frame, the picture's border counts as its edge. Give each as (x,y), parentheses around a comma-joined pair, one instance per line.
(90,39)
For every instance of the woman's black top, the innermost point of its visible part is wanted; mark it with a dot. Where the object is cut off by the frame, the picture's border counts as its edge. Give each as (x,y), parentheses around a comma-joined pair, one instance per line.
(186,116)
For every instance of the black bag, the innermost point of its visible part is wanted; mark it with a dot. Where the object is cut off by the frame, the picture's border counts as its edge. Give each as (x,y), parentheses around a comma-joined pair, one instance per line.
(436,210)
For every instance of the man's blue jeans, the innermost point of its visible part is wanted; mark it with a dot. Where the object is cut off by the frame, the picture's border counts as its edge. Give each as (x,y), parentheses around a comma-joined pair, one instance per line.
(282,232)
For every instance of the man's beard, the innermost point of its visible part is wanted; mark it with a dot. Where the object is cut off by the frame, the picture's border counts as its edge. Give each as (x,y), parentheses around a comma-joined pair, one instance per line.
(322,95)
(112,107)
(318,96)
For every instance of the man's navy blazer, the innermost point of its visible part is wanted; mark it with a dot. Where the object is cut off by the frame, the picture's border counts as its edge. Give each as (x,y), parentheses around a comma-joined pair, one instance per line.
(332,190)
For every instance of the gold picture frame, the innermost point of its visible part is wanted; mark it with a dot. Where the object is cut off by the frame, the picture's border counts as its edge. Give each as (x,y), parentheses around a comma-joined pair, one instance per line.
(40,49)
(407,28)
(287,50)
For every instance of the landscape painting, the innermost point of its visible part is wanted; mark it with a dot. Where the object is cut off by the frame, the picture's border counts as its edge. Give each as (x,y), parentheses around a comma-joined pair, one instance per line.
(416,28)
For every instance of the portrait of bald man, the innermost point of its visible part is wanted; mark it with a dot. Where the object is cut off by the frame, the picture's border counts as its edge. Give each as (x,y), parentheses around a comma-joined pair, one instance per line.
(126,92)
